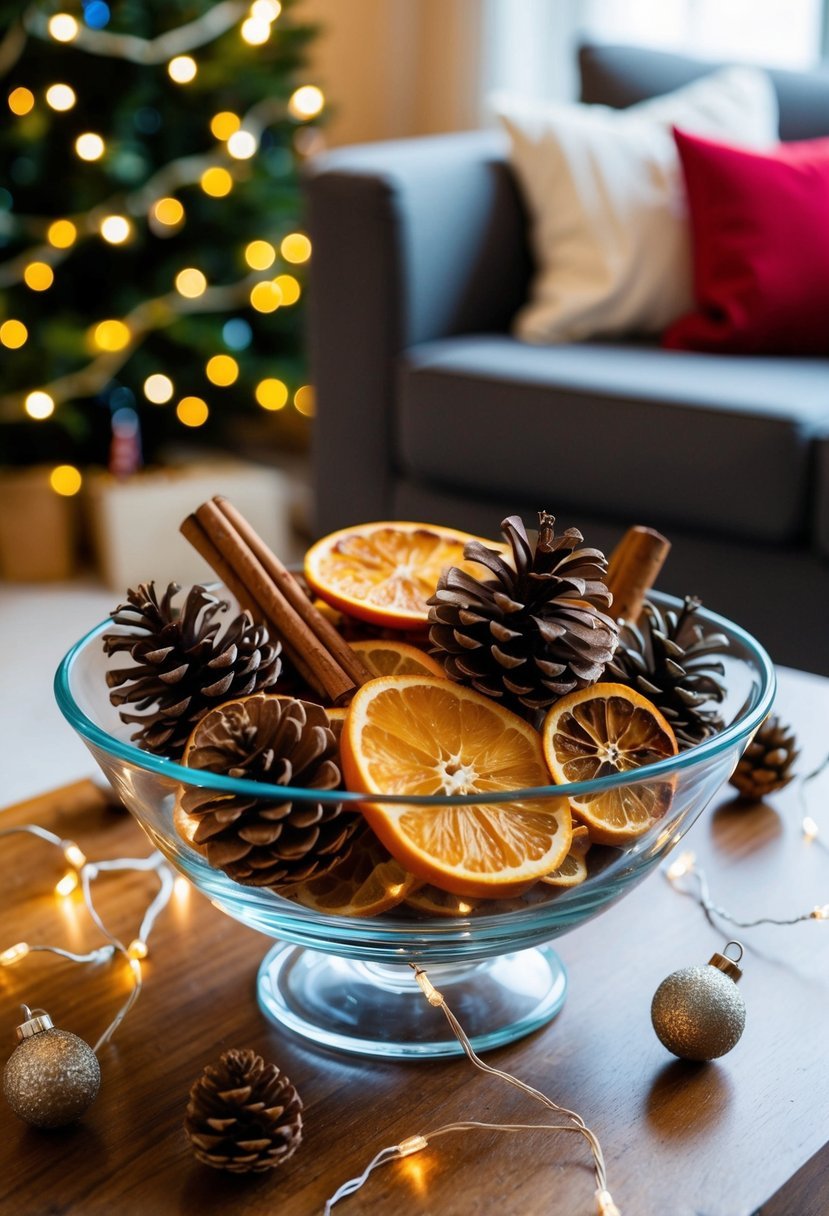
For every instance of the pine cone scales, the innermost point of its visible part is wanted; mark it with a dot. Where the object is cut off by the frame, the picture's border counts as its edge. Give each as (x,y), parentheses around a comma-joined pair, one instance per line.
(243,1115)
(526,636)
(256,841)
(182,664)
(668,658)
(767,763)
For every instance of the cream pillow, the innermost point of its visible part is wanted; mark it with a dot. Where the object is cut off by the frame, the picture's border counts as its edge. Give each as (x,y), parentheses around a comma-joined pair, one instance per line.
(606,201)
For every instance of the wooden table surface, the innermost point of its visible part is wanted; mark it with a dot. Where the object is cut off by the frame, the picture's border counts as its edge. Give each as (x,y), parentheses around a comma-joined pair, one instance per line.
(734,1138)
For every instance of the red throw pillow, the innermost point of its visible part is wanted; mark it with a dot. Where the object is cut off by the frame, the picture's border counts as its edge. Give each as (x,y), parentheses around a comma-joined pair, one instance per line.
(760,236)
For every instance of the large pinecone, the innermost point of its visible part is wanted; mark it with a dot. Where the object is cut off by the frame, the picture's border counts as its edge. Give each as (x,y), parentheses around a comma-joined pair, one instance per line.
(258,841)
(531,634)
(768,761)
(183,666)
(243,1115)
(668,658)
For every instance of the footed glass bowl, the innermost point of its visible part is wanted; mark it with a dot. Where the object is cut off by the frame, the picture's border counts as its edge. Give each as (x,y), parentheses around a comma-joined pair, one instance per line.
(344,982)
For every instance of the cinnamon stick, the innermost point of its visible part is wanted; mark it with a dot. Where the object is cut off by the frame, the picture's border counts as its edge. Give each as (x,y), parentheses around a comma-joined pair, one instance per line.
(296,597)
(633,569)
(301,644)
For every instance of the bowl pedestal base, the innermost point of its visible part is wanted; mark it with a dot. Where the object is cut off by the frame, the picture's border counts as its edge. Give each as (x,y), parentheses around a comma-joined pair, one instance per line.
(378,1009)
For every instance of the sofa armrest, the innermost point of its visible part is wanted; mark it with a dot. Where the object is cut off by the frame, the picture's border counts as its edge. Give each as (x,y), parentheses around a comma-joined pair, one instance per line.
(412,240)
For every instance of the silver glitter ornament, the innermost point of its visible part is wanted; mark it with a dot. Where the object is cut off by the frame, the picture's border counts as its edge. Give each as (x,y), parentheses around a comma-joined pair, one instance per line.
(698,1012)
(52,1077)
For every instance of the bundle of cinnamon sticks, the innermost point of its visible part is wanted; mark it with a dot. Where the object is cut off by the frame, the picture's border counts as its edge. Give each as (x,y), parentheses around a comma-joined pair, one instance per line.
(269,591)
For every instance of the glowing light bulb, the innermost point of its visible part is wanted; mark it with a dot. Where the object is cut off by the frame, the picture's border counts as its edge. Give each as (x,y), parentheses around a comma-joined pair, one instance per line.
(222,370)
(295,247)
(39,405)
(14,954)
(216,182)
(242,145)
(304,401)
(63,27)
(74,855)
(265,297)
(158,388)
(260,255)
(60,97)
(182,69)
(168,211)
(111,335)
(66,480)
(255,31)
(290,288)
(809,826)
(67,884)
(223,124)
(821,912)
(272,394)
(192,411)
(89,146)
(13,334)
(115,229)
(265,10)
(61,234)
(21,101)
(181,887)
(190,283)
(682,865)
(306,102)
(138,949)
(39,276)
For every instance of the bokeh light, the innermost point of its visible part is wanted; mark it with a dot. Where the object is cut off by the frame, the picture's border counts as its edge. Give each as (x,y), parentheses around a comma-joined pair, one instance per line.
(224,124)
(63,27)
(13,334)
(168,211)
(182,69)
(265,10)
(265,297)
(115,229)
(21,101)
(89,146)
(192,411)
(39,276)
(222,370)
(61,234)
(304,400)
(260,255)
(111,335)
(39,405)
(255,31)
(237,333)
(272,394)
(66,480)
(306,102)
(191,283)
(158,388)
(60,97)
(242,145)
(216,182)
(295,247)
(290,288)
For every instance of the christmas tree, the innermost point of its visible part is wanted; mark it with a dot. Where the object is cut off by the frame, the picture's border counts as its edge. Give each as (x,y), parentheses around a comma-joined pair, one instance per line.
(152,261)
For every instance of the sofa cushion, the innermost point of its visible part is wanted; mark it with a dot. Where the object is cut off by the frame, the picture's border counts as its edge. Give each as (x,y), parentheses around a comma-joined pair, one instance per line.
(718,443)
(621,76)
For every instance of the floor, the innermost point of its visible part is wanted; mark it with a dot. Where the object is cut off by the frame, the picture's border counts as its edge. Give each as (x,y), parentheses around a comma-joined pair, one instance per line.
(38,625)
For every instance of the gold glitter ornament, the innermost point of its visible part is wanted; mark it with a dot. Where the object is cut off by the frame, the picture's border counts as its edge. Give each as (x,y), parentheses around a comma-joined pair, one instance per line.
(698,1013)
(52,1077)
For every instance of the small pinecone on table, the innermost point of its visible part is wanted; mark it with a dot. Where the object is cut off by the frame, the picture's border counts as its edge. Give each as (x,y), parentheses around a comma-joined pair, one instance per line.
(768,761)
(258,841)
(531,634)
(183,666)
(668,658)
(243,1115)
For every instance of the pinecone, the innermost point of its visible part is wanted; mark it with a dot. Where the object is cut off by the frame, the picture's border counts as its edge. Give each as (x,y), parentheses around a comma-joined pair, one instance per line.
(667,657)
(767,763)
(257,841)
(528,635)
(183,666)
(243,1115)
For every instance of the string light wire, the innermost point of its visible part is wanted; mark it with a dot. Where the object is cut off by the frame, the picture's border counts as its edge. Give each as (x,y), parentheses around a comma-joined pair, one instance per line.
(686,877)
(87,872)
(605,1205)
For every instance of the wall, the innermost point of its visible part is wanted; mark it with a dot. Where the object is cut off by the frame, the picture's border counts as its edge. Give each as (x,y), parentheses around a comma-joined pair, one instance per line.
(396,67)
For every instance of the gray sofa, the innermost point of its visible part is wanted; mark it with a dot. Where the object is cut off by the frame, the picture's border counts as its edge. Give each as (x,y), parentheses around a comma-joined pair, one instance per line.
(428,409)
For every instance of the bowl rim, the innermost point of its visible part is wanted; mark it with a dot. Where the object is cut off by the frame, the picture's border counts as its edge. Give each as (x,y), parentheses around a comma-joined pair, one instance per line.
(744,725)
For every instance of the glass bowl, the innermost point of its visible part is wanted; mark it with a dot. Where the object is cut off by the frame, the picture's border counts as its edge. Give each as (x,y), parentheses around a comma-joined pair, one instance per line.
(345,982)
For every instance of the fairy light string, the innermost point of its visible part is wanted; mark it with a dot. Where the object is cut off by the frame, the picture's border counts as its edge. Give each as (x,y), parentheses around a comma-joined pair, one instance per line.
(605,1205)
(83,873)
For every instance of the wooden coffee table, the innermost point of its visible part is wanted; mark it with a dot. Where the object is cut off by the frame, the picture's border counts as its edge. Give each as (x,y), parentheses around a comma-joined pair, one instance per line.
(742,1136)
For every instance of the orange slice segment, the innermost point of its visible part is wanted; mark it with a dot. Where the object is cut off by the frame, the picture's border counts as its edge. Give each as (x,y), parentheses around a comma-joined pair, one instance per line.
(385,572)
(573,870)
(606,729)
(426,735)
(384,658)
(365,883)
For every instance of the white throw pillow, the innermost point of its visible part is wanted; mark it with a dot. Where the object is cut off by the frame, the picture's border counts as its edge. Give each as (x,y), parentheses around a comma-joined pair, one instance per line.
(606,201)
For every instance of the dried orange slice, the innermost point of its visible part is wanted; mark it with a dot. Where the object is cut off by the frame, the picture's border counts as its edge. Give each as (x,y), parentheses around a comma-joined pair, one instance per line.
(385,572)
(602,730)
(367,882)
(384,658)
(573,870)
(427,735)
